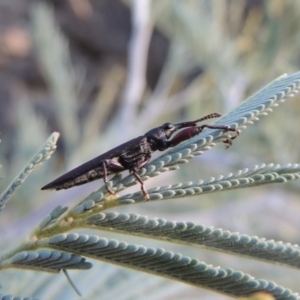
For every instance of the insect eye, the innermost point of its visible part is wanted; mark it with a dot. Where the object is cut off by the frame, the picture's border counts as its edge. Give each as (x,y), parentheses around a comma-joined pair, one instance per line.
(168,126)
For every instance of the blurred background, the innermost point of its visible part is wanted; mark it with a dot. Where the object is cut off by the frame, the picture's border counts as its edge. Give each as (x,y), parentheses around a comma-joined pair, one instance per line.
(101,72)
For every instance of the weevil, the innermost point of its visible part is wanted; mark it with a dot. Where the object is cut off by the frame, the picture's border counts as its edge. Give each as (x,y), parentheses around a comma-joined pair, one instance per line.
(135,154)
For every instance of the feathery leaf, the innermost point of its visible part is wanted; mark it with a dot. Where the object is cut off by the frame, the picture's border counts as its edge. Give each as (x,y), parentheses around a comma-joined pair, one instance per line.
(44,153)
(47,260)
(199,236)
(167,264)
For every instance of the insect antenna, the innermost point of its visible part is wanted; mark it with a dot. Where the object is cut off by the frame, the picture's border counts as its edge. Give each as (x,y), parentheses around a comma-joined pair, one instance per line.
(210,116)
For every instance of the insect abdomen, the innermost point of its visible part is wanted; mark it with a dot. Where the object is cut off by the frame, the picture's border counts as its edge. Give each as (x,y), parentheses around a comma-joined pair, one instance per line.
(74,178)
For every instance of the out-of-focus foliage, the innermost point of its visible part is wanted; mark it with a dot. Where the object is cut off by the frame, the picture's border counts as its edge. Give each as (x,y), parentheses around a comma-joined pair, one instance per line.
(65,67)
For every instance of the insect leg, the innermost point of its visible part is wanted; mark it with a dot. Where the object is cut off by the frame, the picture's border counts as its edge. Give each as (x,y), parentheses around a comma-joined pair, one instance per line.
(113,165)
(226,128)
(105,179)
(139,179)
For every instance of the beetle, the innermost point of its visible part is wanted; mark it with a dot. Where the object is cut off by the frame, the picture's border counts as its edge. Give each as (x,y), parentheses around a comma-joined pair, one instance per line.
(135,154)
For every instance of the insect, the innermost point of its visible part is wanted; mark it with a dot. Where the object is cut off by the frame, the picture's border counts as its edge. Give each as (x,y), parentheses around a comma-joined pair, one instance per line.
(134,154)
